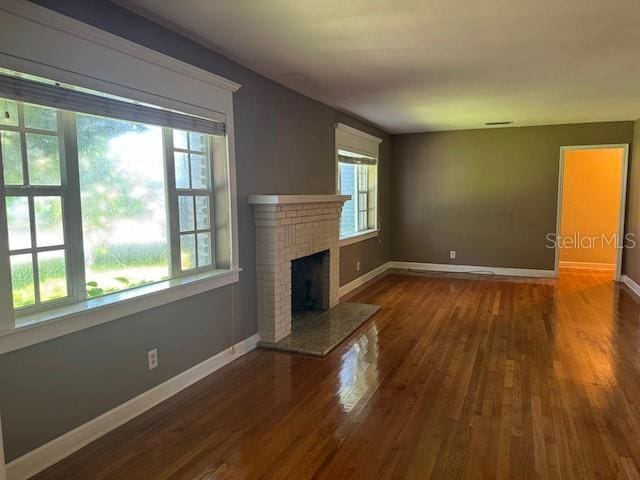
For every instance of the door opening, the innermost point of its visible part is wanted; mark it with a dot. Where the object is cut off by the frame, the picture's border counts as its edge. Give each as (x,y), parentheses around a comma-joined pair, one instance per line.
(591,204)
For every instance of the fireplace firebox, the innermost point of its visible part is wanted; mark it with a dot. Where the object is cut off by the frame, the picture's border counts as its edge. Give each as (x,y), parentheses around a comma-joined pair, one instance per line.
(310,283)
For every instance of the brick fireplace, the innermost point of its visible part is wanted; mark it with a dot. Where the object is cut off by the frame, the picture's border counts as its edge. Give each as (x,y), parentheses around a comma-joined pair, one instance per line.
(291,227)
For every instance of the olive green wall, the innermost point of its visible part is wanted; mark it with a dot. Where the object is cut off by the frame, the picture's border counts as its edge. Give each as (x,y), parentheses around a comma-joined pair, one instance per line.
(489,194)
(284,144)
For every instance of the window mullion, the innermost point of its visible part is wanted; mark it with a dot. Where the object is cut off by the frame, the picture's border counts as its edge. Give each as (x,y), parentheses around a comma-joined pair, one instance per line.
(23,145)
(172,201)
(212,230)
(356,206)
(34,255)
(72,208)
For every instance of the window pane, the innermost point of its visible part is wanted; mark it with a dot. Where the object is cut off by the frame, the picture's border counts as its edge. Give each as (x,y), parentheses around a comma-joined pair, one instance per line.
(11,158)
(188,251)
(180,139)
(182,169)
(196,142)
(362,178)
(18,222)
(348,187)
(53,275)
(41,118)
(199,171)
(22,280)
(362,222)
(185,213)
(48,221)
(123,199)
(202,213)
(362,201)
(10,107)
(44,159)
(204,249)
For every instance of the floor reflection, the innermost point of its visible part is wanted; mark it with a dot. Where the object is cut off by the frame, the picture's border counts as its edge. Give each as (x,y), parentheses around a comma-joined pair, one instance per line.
(358,370)
(587,341)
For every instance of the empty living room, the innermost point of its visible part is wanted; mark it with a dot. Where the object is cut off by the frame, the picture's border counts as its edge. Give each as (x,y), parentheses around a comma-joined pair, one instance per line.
(262,239)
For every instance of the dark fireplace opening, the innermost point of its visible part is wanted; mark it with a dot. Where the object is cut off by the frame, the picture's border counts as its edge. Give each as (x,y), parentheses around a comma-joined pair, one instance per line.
(310,284)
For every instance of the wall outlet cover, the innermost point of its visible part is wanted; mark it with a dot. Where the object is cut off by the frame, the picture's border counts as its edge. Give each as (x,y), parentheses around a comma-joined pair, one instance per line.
(152,358)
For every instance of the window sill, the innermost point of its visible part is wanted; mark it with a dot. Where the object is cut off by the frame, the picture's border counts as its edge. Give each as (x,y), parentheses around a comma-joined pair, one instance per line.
(43,326)
(358,237)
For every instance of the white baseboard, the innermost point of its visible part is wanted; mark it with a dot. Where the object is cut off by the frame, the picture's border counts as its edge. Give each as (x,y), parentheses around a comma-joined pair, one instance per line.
(50,453)
(444,267)
(362,279)
(635,288)
(588,265)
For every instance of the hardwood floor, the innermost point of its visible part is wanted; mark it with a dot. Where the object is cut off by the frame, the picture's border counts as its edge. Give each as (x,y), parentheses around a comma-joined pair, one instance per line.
(453,378)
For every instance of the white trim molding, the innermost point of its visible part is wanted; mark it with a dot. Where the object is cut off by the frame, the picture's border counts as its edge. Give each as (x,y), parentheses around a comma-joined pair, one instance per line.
(362,279)
(358,133)
(587,265)
(294,199)
(50,453)
(97,36)
(633,286)
(445,268)
(474,269)
(349,138)
(358,237)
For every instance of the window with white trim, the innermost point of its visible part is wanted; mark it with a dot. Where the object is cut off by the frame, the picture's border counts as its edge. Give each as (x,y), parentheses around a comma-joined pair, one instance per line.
(101,194)
(357,172)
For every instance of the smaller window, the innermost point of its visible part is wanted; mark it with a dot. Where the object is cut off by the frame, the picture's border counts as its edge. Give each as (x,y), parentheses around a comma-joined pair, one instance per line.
(358,178)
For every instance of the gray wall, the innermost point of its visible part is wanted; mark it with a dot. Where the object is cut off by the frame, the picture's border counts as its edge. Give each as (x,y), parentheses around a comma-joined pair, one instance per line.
(284,144)
(489,194)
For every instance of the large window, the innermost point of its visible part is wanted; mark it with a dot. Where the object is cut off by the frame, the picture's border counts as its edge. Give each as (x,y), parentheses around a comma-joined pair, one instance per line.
(96,205)
(357,172)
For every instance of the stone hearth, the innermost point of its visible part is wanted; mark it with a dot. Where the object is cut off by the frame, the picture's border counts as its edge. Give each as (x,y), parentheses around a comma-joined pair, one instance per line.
(289,227)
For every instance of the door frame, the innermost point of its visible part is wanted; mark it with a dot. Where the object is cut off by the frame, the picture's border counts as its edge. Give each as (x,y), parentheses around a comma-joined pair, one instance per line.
(622,203)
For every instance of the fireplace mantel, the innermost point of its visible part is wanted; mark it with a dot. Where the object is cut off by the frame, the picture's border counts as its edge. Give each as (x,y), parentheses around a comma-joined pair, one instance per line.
(291,199)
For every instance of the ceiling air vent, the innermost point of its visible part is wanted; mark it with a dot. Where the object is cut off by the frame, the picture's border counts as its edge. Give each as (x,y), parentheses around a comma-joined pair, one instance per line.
(493,124)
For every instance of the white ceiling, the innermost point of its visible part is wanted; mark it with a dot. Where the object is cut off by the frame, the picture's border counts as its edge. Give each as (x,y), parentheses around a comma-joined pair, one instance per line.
(432,64)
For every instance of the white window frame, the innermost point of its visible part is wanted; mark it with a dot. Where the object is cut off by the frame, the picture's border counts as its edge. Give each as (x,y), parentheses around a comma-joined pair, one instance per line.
(107,63)
(357,141)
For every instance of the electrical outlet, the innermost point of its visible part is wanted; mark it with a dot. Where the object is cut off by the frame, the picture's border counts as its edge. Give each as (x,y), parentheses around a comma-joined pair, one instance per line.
(358,266)
(152,358)
(452,254)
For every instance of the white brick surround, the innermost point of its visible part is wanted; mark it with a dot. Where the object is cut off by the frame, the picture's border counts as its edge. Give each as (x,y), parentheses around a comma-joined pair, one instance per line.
(290,227)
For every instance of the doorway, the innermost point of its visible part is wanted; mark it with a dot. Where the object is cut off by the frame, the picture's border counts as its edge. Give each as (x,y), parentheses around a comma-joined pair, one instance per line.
(591,204)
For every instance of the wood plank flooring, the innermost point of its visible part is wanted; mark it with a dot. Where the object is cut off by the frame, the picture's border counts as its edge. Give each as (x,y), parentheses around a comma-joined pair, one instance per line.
(453,378)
